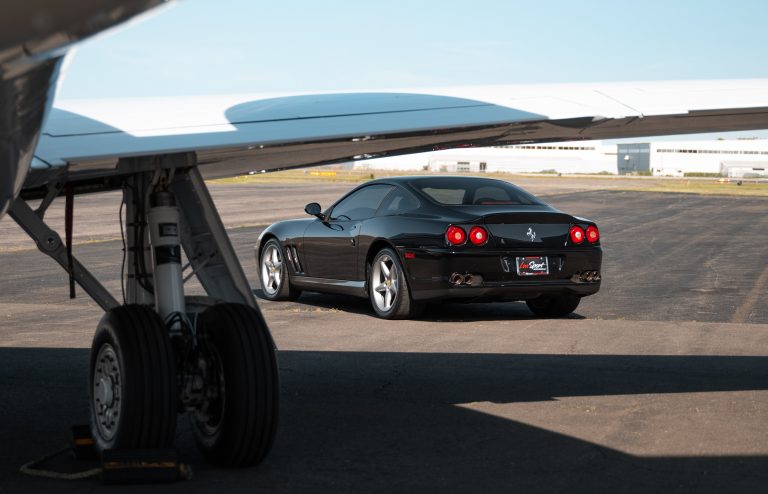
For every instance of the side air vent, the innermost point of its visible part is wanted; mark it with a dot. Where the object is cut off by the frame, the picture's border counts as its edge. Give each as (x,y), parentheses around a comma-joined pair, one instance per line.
(296,263)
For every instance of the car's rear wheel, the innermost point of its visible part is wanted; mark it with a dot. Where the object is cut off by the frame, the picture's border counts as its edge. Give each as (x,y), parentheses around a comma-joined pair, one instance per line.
(275,282)
(388,287)
(553,306)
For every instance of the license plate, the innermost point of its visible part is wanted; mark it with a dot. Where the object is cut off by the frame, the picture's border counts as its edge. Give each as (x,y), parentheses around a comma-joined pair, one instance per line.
(532,266)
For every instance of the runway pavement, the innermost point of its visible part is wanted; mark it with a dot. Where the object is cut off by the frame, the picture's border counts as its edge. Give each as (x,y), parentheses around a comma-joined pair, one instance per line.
(658,384)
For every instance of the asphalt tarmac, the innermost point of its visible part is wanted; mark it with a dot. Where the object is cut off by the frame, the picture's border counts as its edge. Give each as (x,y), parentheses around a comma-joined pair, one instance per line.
(659,383)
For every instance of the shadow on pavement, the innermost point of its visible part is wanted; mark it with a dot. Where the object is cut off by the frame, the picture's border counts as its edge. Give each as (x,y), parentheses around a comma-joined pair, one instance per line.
(384,422)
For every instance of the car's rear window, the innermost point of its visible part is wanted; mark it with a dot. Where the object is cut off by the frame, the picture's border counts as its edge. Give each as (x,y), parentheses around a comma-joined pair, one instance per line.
(455,191)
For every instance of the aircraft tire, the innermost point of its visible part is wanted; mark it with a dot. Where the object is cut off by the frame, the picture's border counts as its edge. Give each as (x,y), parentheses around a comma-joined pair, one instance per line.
(132,381)
(557,306)
(240,424)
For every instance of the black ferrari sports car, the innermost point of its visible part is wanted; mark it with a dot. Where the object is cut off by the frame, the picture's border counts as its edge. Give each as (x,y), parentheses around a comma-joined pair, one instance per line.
(405,241)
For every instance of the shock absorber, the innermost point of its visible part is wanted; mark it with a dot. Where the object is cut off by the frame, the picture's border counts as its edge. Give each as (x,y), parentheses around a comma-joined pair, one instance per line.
(166,254)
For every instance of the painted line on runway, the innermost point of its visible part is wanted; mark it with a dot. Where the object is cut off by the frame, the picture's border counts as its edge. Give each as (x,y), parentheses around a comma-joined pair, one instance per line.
(750,300)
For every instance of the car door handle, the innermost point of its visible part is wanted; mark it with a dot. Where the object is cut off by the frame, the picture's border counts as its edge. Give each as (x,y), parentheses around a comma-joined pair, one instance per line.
(353,231)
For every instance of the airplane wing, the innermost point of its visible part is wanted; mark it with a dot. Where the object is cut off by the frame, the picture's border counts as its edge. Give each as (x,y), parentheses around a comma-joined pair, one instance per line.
(84,140)
(34,37)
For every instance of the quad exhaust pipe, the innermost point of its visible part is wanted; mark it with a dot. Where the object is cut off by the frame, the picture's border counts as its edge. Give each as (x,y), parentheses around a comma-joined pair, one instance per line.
(588,276)
(468,279)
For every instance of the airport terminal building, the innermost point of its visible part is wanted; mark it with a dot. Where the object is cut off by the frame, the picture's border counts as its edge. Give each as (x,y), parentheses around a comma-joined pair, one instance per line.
(729,158)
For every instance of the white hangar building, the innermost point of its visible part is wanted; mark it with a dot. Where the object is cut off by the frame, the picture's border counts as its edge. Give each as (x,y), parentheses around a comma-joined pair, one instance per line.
(560,157)
(730,158)
(734,158)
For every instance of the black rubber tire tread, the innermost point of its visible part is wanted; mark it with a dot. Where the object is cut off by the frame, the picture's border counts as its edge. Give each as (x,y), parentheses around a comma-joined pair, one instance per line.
(286,290)
(404,307)
(148,370)
(554,306)
(241,338)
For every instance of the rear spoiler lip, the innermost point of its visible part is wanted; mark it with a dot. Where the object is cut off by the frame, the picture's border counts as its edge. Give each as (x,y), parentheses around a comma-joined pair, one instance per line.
(538,217)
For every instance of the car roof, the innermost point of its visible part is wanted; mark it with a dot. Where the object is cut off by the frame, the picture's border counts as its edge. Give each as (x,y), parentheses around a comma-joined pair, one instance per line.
(437,178)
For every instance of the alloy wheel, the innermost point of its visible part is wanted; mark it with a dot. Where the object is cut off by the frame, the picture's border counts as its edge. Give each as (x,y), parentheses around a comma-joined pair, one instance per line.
(385,283)
(271,270)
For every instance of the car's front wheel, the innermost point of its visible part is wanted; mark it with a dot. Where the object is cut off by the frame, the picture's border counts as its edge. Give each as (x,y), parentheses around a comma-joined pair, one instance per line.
(388,287)
(553,306)
(275,283)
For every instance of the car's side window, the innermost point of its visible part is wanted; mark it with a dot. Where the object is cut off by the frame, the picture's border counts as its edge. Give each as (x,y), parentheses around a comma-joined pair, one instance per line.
(398,201)
(360,204)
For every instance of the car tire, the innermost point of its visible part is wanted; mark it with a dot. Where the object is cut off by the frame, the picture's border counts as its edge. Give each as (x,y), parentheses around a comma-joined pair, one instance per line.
(236,427)
(388,287)
(273,273)
(553,306)
(133,395)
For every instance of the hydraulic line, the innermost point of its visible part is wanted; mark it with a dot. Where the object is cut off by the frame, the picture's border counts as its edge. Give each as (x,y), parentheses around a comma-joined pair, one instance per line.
(69,206)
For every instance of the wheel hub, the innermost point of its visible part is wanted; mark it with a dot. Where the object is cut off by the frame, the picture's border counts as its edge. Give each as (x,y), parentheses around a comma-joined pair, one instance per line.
(384,283)
(107,391)
(209,413)
(271,266)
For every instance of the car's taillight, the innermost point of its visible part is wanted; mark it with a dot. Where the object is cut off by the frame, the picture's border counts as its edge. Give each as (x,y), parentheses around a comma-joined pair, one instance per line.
(478,235)
(577,234)
(456,235)
(593,234)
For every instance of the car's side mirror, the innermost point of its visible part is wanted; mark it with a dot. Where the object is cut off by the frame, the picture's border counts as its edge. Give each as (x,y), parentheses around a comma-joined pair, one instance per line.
(313,209)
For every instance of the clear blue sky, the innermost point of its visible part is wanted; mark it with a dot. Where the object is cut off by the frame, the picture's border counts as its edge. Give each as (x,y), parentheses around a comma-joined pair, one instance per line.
(223,46)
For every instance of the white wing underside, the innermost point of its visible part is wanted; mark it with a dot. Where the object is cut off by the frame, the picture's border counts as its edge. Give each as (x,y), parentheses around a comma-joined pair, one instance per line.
(85,139)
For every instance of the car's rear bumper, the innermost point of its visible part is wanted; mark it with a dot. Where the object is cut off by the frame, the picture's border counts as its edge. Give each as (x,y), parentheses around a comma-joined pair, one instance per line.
(495,278)
(506,292)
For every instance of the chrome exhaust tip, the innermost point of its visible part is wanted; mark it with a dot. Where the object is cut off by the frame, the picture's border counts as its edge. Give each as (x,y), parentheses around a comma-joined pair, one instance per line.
(456,279)
(469,279)
(589,276)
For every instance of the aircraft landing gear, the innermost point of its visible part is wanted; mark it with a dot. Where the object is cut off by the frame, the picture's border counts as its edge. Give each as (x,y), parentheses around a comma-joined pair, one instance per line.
(161,353)
(227,381)
(132,381)
(236,427)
